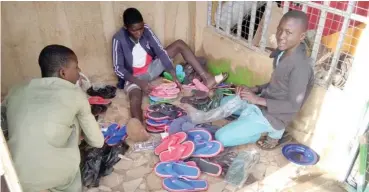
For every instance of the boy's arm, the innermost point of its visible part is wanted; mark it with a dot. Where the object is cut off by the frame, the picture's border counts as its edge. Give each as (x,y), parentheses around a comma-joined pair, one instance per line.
(91,129)
(159,50)
(118,63)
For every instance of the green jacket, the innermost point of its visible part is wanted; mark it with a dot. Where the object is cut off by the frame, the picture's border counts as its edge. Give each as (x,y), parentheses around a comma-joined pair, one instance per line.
(45,117)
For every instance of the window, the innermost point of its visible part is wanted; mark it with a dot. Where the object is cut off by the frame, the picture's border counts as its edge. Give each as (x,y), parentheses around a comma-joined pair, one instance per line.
(333,32)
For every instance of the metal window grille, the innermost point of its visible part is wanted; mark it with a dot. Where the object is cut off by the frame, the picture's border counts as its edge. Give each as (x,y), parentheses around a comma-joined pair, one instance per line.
(334,30)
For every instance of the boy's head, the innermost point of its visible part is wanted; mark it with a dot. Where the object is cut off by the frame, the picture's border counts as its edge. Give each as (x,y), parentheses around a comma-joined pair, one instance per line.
(133,22)
(291,30)
(59,61)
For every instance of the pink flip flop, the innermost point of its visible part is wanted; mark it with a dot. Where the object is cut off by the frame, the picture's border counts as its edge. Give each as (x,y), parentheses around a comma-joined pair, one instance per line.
(200,86)
(174,139)
(96,100)
(178,152)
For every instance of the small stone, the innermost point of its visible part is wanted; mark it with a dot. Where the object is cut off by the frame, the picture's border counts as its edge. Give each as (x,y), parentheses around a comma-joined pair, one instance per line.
(217,187)
(104,188)
(259,171)
(111,180)
(140,161)
(143,186)
(138,172)
(123,165)
(93,190)
(153,182)
(132,185)
(270,170)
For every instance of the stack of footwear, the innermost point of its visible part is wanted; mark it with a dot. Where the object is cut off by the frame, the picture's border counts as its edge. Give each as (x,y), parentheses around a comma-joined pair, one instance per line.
(195,145)
(159,116)
(165,92)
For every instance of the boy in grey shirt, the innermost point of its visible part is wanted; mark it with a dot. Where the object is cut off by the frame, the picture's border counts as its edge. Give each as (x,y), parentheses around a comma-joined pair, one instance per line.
(280,99)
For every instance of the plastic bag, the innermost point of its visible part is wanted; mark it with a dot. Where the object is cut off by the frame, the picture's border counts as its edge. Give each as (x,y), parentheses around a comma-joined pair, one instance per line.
(99,162)
(241,167)
(223,111)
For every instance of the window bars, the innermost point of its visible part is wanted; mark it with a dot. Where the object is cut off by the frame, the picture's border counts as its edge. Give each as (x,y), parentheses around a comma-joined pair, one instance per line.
(334,30)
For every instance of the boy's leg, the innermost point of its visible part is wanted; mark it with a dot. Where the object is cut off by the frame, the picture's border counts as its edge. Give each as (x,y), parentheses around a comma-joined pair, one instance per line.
(135,102)
(180,47)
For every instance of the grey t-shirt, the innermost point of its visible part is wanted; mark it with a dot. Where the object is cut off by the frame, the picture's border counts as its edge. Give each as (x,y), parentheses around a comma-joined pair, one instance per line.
(289,86)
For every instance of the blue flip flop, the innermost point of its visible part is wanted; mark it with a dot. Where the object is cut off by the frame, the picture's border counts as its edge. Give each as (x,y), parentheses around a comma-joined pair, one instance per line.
(176,169)
(207,149)
(157,123)
(117,137)
(300,154)
(184,185)
(110,129)
(198,135)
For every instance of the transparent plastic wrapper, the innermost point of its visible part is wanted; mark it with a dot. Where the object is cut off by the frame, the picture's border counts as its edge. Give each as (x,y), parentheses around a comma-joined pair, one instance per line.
(241,168)
(221,112)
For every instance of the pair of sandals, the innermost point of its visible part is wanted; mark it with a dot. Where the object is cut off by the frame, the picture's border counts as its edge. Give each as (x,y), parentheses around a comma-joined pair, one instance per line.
(180,176)
(159,116)
(166,91)
(114,134)
(194,143)
(268,144)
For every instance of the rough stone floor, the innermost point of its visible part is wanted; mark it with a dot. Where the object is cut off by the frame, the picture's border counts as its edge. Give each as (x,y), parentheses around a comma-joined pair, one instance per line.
(273,173)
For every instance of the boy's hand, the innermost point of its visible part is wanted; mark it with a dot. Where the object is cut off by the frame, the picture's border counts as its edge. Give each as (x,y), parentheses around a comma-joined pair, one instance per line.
(175,79)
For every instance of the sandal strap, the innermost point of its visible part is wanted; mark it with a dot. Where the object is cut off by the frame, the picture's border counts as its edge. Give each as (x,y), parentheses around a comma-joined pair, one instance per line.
(182,182)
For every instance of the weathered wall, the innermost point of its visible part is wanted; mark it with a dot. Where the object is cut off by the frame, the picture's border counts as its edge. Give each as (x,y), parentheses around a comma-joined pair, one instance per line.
(86,27)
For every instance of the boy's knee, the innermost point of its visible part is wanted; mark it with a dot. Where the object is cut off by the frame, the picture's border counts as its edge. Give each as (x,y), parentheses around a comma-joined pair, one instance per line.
(180,43)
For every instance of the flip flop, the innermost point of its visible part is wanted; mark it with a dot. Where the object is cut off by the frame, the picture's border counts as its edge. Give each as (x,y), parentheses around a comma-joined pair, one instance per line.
(119,135)
(200,86)
(164,86)
(200,94)
(152,129)
(178,152)
(158,96)
(193,101)
(163,106)
(169,141)
(96,100)
(108,129)
(196,135)
(285,139)
(207,167)
(176,184)
(176,169)
(157,123)
(207,149)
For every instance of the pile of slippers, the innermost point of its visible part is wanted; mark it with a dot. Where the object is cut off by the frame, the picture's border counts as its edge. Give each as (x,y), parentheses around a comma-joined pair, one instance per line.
(164,92)
(159,116)
(179,147)
(113,133)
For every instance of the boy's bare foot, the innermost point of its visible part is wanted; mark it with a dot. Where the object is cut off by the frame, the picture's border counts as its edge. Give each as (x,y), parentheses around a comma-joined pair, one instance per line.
(136,131)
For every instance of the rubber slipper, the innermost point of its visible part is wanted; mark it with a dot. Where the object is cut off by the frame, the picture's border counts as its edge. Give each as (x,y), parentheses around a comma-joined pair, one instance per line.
(178,152)
(174,139)
(176,169)
(166,86)
(200,86)
(208,167)
(108,129)
(200,94)
(157,123)
(163,96)
(163,106)
(152,129)
(207,149)
(96,100)
(193,101)
(156,115)
(118,136)
(184,185)
(197,135)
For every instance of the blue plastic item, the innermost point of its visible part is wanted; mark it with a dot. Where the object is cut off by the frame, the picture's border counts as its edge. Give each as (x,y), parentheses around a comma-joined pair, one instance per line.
(300,154)
(176,169)
(184,184)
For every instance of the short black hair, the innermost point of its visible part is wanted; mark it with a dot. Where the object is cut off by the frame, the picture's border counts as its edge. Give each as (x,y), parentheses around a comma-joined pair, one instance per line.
(52,58)
(132,16)
(295,14)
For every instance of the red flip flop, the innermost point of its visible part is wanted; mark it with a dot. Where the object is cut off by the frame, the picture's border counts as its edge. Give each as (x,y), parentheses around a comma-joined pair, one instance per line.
(152,129)
(171,140)
(96,100)
(178,152)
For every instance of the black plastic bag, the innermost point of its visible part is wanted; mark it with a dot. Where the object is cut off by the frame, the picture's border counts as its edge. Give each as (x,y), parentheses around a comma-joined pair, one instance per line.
(99,162)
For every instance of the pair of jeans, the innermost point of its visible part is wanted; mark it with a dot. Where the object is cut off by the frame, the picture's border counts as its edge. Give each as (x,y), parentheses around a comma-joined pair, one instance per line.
(247,128)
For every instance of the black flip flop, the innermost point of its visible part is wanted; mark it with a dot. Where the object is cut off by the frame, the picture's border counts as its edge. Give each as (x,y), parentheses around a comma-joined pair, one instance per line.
(207,167)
